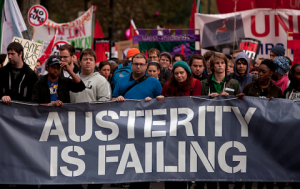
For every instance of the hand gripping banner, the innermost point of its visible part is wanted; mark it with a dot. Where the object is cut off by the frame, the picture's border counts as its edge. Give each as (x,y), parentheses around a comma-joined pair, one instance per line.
(179,139)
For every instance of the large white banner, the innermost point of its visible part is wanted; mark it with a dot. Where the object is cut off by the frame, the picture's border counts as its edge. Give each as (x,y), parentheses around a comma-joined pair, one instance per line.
(78,32)
(267,25)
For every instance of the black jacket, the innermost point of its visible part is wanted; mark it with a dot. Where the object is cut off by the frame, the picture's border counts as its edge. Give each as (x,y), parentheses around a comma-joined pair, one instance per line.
(20,88)
(253,89)
(41,92)
(164,75)
(204,76)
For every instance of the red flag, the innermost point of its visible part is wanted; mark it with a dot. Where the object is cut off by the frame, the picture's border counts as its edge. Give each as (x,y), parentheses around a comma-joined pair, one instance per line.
(227,6)
(48,51)
(132,29)
(192,19)
(146,54)
(100,49)
(98,33)
(182,50)
(295,45)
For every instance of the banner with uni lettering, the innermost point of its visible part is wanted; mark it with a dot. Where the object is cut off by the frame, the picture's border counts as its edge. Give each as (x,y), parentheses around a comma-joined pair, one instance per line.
(179,139)
(219,32)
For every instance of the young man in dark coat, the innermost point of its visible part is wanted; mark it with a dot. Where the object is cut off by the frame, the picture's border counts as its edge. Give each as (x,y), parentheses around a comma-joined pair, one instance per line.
(17,78)
(218,83)
(53,89)
(197,64)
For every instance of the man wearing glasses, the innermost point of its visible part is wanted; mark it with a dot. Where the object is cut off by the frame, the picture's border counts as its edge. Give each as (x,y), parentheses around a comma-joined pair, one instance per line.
(137,85)
(67,54)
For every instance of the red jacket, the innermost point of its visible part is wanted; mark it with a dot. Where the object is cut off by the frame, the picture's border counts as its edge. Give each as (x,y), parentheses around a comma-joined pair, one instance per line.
(196,90)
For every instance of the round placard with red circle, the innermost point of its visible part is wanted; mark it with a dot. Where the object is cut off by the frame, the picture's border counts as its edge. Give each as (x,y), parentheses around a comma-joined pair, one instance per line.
(37,15)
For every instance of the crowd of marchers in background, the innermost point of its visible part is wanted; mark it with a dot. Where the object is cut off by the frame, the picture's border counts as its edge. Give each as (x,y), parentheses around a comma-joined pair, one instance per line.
(153,77)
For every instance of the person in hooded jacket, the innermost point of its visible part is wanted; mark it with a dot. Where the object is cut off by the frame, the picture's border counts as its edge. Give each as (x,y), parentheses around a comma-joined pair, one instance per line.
(280,77)
(242,70)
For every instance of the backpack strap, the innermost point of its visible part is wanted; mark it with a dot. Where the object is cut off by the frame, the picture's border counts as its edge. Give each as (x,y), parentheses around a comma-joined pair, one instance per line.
(193,86)
(135,83)
(228,83)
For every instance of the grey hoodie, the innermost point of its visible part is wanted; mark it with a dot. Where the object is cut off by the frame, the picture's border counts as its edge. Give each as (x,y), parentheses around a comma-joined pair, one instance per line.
(248,77)
(97,88)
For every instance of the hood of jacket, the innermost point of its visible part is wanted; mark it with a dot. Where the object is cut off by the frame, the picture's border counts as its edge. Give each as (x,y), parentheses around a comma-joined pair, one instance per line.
(241,55)
(248,76)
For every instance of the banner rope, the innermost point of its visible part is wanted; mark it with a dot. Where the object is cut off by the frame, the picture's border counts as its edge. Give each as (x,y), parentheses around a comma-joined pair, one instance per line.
(234,30)
(213,98)
(103,102)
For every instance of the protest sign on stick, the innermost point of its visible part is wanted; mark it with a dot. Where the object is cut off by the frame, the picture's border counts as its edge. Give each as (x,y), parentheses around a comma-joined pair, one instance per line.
(57,45)
(37,15)
(31,51)
(250,47)
(123,45)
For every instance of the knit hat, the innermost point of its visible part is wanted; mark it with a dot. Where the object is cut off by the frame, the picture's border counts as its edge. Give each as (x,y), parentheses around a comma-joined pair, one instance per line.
(278,49)
(270,64)
(282,65)
(131,52)
(182,64)
(166,54)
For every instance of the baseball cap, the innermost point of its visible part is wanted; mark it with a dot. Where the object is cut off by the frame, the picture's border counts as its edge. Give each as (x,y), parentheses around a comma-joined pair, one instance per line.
(53,60)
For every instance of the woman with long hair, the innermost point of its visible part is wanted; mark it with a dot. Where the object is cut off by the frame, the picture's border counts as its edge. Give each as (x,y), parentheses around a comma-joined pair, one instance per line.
(104,69)
(181,83)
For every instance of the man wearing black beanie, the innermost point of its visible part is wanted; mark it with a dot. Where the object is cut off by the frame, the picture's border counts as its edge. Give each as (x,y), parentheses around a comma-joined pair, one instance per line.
(276,51)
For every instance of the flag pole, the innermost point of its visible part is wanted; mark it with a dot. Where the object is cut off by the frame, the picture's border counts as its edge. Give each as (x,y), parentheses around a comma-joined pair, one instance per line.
(33,33)
(28,35)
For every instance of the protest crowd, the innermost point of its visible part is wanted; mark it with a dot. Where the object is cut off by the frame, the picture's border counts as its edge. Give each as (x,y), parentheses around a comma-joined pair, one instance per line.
(147,76)
(154,78)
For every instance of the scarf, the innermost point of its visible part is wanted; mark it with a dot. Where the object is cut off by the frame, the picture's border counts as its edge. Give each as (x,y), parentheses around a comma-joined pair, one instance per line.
(282,83)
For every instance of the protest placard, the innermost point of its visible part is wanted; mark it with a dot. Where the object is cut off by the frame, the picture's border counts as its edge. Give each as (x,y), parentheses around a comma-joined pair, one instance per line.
(77,32)
(123,45)
(37,15)
(31,51)
(57,45)
(250,47)
(173,44)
